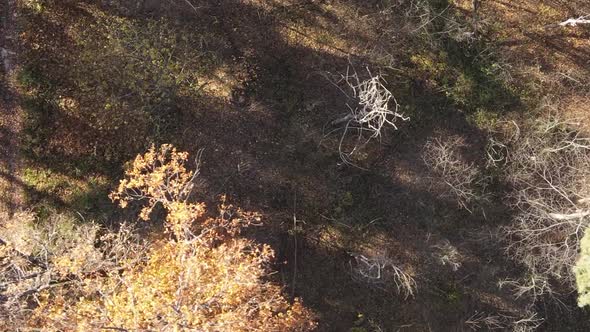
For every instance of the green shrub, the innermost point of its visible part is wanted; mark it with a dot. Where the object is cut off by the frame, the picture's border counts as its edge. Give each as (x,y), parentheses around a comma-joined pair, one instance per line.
(582,271)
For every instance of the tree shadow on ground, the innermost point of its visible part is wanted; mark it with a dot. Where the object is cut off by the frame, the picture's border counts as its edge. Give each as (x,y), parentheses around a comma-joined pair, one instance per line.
(265,147)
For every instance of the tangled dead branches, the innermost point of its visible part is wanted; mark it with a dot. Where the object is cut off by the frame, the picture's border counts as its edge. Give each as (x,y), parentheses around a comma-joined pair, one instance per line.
(36,257)
(381,270)
(548,167)
(371,111)
(489,322)
(463,180)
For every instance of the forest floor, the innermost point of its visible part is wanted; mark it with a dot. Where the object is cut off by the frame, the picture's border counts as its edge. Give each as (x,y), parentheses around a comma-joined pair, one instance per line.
(249,81)
(11,119)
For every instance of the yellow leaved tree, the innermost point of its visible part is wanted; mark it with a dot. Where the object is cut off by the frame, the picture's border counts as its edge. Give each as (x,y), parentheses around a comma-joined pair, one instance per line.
(202,276)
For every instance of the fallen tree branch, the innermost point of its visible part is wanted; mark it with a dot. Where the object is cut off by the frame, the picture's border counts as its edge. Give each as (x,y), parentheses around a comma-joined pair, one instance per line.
(575,21)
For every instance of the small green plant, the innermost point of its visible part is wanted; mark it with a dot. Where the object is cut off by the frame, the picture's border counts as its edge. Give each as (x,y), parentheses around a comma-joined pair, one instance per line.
(483,119)
(43,179)
(462,91)
(346,200)
(36,6)
(358,329)
(451,294)
(86,195)
(28,78)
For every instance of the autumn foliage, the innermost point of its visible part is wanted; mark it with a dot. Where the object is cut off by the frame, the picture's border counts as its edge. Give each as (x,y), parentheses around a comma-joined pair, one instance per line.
(160,176)
(200,276)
